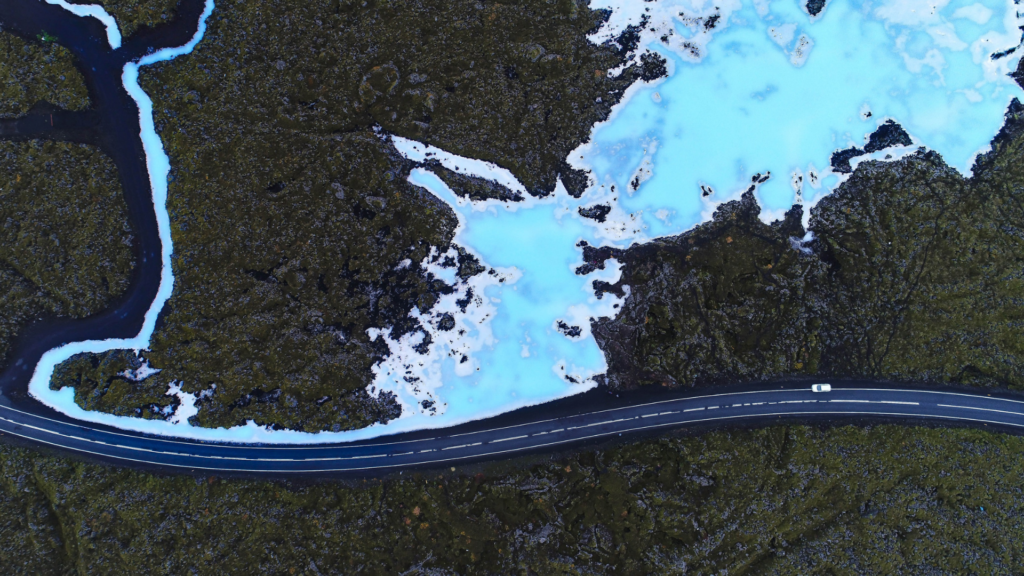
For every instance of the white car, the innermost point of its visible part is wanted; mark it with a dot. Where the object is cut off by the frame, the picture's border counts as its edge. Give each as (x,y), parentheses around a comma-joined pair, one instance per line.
(821,387)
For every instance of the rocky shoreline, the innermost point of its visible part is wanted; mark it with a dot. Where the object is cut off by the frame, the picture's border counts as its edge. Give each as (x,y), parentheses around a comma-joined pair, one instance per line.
(913,273)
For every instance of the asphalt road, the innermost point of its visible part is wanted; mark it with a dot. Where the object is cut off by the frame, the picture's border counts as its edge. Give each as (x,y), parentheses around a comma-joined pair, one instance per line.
(492,439)
(113,125)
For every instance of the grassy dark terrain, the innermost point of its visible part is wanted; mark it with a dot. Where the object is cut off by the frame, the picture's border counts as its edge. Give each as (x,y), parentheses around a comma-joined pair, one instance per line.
(290,215)
(781,500)
(37,71)
(65,241)
(133,14)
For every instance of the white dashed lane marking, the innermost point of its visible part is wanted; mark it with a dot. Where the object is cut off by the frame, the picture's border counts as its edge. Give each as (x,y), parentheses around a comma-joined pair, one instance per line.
(506,439)
(110,449)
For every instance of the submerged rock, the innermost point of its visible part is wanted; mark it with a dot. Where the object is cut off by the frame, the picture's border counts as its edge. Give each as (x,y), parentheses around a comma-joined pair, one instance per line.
(652,66)
(888,135)
(841,159)
(594,258)
(814,7)
(598,212)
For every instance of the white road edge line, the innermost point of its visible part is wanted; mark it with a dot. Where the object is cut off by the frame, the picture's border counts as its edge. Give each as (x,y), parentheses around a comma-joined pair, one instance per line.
(455,458)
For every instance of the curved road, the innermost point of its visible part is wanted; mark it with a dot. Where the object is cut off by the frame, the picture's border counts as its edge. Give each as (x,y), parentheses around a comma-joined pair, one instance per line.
(113,125)
(488,440)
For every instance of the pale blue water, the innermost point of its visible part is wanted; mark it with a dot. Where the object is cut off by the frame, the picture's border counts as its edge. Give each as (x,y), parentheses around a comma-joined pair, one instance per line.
(746,109)
(769,89)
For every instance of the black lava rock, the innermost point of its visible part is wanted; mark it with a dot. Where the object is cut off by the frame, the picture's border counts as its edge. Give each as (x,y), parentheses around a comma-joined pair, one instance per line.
(888,135)
(652,66)
(841,159)
(814,7)
(598,212)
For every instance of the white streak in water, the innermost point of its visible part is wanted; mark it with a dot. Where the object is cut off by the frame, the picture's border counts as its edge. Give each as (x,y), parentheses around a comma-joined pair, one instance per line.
(760,99)
(158,166)
(97,12)
(419,152)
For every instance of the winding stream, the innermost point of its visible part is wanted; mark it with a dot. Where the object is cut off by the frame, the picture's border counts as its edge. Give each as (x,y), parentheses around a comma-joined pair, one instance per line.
(754,88)
(110,71)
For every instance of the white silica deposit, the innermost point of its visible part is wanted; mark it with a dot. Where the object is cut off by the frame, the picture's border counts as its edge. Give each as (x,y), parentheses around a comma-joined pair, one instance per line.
(158,166)
(748,96)
(97,12)
(756,88)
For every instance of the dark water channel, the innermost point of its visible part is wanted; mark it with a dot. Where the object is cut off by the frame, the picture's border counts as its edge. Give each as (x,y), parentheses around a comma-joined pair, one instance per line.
(112,124)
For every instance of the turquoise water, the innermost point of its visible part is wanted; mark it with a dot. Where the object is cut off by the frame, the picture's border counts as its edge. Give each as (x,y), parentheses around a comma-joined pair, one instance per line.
(745,108)
(768,89)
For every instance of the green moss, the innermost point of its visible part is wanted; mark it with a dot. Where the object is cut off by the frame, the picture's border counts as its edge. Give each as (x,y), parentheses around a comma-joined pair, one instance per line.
(290,215)
(724,302)
(32,72)
(101,383)
(925,273)
(472,187)
(915,274)
(133,14)
(65,241)
(884,500)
